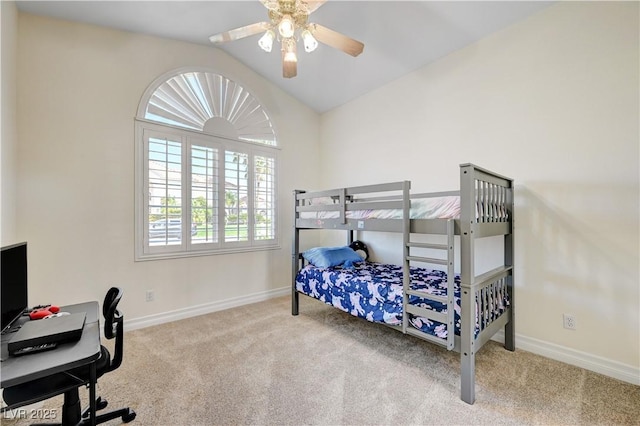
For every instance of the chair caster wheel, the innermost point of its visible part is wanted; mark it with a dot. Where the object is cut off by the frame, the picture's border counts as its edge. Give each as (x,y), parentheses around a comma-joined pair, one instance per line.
(101,404)
(129,416)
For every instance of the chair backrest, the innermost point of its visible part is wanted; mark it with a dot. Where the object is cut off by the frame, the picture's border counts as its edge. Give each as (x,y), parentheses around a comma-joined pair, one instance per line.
(114,324)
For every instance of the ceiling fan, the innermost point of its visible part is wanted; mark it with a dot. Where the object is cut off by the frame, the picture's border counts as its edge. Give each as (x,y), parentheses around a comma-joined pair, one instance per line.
(288,23)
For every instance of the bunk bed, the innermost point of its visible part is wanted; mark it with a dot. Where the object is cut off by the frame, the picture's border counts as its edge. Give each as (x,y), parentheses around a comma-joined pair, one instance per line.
(460,312)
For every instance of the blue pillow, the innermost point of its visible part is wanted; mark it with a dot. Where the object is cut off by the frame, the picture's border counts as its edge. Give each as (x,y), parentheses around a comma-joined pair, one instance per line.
(324,257)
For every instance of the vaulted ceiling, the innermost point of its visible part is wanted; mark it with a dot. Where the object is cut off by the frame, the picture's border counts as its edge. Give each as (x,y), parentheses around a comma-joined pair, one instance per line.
(399,36)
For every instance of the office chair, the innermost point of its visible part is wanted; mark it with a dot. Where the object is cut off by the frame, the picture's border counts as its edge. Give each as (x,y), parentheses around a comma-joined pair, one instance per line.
(68,382)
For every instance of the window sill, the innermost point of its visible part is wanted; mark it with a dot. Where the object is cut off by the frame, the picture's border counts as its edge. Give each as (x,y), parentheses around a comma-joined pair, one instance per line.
(164,256)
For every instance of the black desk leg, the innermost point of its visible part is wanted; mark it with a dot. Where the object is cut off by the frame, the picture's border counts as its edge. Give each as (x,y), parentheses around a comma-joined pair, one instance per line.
(92,393)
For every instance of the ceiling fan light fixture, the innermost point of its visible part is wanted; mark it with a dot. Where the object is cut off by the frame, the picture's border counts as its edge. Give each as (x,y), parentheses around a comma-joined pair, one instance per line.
(289,23)
(266,41)
(290,57)
(310,43)
(289,50)
(286,27)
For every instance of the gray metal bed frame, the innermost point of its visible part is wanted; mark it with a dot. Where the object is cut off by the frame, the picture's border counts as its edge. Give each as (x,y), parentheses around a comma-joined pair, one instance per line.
(486,210)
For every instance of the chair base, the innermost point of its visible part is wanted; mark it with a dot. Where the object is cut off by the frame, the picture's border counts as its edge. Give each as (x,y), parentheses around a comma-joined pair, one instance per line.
(126,413)
(71,414)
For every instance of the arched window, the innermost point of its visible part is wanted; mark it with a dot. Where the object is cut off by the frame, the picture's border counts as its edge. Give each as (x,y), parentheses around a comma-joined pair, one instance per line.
(206,167)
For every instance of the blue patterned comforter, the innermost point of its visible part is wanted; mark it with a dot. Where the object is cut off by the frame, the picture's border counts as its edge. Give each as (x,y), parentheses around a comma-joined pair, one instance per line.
(374,291)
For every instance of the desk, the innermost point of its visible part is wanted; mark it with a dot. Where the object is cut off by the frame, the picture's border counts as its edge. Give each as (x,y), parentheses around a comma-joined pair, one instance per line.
(85,351)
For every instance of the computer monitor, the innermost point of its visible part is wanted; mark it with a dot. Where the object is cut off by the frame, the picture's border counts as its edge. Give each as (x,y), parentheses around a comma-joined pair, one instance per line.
(13,272)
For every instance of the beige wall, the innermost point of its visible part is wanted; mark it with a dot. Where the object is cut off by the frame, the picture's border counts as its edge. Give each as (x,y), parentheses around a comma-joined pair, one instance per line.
(79,87)
(8,123)
(552,102)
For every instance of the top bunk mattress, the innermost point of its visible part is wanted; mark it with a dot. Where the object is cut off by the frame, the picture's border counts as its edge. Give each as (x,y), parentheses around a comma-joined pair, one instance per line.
(447,207)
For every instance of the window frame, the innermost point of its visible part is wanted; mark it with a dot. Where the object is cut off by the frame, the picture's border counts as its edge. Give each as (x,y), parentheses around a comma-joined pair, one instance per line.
(143,250)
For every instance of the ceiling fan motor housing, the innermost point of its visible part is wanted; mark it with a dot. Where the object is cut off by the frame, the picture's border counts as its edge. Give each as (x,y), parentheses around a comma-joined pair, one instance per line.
(298,14)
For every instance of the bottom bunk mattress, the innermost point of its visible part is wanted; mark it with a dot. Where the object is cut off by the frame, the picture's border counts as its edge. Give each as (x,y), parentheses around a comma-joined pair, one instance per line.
(373,291)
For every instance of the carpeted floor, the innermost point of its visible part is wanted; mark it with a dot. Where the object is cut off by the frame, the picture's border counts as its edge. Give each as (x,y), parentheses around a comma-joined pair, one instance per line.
(259,365)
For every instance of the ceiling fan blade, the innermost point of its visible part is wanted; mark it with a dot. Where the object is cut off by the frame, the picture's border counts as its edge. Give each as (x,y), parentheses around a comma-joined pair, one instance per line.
(239,33)
(336,40)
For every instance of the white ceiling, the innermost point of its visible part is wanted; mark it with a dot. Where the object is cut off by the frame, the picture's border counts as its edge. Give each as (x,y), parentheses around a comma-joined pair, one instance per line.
(399,36)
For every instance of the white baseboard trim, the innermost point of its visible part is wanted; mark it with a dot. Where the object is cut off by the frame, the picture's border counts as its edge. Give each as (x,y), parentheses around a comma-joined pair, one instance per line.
(165,317)
(597,364)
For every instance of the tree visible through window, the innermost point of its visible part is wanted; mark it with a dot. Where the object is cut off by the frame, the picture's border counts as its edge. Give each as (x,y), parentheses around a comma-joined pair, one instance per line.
(207,163)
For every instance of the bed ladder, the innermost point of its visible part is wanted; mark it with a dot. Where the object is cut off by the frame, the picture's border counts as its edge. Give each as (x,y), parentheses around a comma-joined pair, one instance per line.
(444,318)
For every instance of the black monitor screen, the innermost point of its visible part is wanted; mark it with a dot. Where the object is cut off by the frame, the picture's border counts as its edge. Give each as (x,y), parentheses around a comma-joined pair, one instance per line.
(13,269)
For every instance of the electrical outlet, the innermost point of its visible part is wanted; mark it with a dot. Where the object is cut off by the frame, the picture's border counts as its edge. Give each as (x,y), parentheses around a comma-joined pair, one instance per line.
(569,321)
(150,296)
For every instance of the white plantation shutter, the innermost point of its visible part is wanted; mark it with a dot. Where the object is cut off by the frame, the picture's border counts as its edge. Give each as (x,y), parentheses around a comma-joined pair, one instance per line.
(164,177)
(206,170)
(204,194)
(191,99)
(264,206)
(236,174)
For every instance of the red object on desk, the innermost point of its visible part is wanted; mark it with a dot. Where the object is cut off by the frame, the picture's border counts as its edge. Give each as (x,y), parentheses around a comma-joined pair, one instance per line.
(43,312)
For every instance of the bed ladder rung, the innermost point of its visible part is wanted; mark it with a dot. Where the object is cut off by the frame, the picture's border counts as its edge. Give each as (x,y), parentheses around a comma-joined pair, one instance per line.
(427,336)
(427,313)
(422,294)
(429,246)
(427,260)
